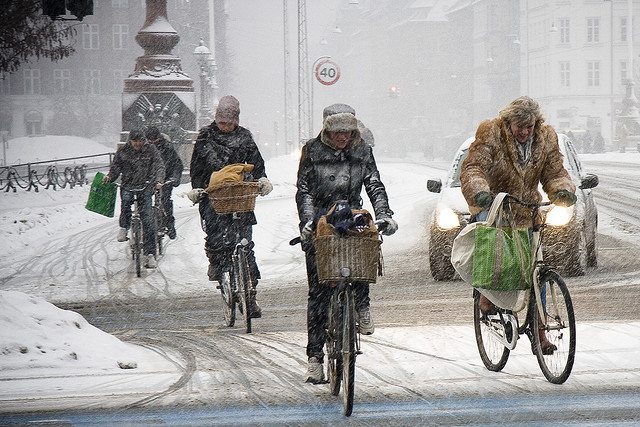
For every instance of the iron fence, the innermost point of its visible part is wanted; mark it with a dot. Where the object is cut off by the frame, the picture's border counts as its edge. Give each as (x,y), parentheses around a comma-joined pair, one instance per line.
(52,173)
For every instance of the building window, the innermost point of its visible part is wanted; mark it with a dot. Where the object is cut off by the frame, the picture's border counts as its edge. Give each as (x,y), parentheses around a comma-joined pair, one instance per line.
(120,36)
(565,74)
(120,4)
(623,29)
(33,122)
(90,39)
(61,81)
(31,82)
(5,84)
(593,73)
(623,73)
(593,30)
(564,30)
(118,80)
(92,82)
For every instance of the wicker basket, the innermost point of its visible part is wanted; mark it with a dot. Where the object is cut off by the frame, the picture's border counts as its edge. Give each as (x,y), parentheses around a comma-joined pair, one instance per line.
(360,255)
(231,197)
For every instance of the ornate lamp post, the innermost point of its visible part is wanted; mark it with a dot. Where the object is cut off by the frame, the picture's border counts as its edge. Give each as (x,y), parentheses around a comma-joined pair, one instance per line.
(206,63)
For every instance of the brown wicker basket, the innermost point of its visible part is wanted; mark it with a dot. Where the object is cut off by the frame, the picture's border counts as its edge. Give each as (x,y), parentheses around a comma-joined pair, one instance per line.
(360,255)
(230,197)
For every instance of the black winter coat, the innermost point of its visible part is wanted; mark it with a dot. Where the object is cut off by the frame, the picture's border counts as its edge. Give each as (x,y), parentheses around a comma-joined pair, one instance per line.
(173,166)
(327,175)
(138,167)
(215,149)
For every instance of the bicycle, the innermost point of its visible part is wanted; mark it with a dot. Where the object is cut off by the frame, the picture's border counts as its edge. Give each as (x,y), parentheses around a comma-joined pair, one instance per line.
(135,242)
(236,287)
(352,262)
(497,333)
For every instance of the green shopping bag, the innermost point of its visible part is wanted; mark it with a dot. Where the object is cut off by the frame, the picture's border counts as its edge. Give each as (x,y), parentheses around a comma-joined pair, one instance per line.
(501,258)
(102,197)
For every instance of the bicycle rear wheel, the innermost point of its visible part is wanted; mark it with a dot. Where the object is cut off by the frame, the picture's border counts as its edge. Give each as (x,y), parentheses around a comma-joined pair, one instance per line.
(241,266)
(334,345)
(136,246)
(492,351)
(348,350)
(228,299)
(560,329)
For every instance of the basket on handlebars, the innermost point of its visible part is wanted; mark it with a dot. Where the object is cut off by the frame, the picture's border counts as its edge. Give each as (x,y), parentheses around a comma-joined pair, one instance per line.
(230,197)
(360,254)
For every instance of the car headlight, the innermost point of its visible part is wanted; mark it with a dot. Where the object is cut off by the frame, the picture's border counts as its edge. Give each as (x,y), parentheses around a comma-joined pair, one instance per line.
(559,215)
(447,219)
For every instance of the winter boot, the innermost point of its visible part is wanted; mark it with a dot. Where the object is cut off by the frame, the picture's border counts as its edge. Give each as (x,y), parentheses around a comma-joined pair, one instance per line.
(122,235)
(255,310)
(315,371)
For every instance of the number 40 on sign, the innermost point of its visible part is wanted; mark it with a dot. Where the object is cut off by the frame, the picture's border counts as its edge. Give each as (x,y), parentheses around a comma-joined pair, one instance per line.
(327,72)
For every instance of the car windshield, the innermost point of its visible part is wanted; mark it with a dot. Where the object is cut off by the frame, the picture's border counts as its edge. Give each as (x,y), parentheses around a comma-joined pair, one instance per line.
(455,176)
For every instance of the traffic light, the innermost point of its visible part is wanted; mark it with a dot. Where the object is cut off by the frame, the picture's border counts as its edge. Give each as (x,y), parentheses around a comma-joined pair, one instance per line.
(80,8)
(394,92)
(53,8)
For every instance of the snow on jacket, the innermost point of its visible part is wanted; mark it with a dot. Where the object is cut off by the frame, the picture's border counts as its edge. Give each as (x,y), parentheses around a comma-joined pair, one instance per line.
(327,175)
(173,166)
(138,167)
(215,149)
(492,166)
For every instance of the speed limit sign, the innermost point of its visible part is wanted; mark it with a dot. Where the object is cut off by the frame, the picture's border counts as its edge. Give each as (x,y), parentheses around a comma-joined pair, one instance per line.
(327,72)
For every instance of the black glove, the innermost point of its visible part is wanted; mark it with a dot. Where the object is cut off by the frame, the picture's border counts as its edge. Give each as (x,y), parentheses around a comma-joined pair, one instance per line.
(565,198)
(484,199)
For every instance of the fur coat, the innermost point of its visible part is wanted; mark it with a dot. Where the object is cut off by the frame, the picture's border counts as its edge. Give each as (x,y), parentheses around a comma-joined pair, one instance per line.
(492,166)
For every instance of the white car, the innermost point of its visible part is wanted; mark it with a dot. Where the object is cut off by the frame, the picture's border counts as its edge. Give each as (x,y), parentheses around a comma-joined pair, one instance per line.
(569,241)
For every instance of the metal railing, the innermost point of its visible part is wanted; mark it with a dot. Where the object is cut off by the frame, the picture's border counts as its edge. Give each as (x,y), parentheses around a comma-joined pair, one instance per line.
(51,173)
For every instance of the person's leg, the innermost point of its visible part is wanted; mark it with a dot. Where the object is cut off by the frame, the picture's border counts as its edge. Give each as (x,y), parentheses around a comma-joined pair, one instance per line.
(363,312)
(214,241)
(126,200)
(145,203)
(246,233)
(167,208)
(317,308)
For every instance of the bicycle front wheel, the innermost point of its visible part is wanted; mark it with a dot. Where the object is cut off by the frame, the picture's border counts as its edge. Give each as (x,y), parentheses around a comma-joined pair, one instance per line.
(348,350)
(228,299)
(334,344)
(492,351)
(136,246)
(241,266)
(560,329)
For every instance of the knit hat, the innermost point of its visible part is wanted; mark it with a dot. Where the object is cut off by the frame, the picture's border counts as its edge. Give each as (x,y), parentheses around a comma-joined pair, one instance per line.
(228,110)
(337,108)
(136,135)
(152,133)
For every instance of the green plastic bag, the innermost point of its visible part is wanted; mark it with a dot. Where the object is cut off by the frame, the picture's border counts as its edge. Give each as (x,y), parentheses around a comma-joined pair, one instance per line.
(501,259)
(102,197)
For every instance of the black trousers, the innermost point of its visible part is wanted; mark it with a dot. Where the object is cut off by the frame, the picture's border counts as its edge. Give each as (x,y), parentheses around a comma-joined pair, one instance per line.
(167,207)
(318,305)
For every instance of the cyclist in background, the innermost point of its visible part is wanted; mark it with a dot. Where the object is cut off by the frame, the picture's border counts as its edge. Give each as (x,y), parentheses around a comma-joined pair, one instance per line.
(334,167)
(173,168)
(219,144)
(140,165)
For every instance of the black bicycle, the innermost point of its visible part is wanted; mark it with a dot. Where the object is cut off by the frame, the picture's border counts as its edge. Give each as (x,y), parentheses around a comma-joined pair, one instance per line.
(236,286)
(548,308)
(135,242)
(342,263)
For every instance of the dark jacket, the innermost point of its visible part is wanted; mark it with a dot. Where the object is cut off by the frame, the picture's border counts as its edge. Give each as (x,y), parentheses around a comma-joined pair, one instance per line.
(214,150)
(173,166)
(492,166)
(327,175)
(138,167)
